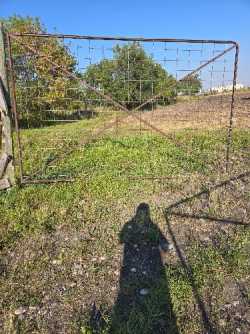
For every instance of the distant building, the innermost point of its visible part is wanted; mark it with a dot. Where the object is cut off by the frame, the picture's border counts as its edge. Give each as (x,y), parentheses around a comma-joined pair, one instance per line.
(228,88)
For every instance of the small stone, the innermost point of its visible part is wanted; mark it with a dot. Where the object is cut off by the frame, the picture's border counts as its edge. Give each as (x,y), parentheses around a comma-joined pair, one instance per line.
(238,315)
(144,273)
(238,330)
(20,310)
(77,269)
(206,239)
(102,258)
(222,323)
(32,308)
(227,306)
(236,303)
(135,245)
(144,292)
(170,247)
(133,270)
(77,266)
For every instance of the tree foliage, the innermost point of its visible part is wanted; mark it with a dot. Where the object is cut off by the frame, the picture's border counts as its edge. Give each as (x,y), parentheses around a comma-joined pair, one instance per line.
(39,86)
(191,85)
(130,77)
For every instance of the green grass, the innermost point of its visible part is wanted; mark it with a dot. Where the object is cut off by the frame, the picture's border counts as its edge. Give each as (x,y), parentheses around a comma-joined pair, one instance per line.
(103,171)
(210,267)
(38,224)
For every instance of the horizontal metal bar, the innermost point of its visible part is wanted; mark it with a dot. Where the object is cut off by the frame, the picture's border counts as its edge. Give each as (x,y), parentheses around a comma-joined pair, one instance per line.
(138,129)
(149,177)
(126,39)
(209,218)
(192,50)
(208,190)
(60,120)
(38,181)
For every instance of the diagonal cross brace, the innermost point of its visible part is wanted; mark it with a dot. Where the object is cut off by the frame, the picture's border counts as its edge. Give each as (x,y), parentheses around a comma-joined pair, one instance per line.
(107,97)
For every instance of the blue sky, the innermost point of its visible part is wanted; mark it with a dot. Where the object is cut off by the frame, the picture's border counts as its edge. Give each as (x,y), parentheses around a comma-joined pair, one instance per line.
(215,19)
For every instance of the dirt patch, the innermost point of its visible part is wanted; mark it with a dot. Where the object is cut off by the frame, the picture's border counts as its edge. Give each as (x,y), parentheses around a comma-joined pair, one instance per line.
(196,113)
(53,282)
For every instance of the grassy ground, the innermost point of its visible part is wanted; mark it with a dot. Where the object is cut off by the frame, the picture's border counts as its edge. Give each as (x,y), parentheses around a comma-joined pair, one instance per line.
(66,248)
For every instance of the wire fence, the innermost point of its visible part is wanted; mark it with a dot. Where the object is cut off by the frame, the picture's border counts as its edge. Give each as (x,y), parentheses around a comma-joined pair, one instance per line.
(133,85)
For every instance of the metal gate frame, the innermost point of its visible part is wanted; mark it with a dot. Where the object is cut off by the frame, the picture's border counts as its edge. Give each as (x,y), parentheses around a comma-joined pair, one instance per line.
(17,37)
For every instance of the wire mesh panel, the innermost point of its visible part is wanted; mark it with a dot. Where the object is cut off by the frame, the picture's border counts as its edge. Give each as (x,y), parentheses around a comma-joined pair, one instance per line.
(84,87)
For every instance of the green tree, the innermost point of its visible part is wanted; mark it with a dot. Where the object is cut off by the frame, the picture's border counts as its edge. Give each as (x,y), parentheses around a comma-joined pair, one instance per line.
(130,77)
(39,86)
(191,85)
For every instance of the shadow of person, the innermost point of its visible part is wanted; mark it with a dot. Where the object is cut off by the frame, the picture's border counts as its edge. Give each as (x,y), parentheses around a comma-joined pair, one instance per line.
(143,304)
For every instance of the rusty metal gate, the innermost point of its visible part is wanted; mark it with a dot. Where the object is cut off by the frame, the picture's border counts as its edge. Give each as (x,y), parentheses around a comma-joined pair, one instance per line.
(56,79)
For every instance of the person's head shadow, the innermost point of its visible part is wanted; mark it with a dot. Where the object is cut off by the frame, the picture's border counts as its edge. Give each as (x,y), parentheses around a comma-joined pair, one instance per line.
(143,304)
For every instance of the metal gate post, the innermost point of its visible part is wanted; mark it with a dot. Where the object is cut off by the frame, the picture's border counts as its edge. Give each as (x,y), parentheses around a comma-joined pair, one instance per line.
(231,116)
(7,179)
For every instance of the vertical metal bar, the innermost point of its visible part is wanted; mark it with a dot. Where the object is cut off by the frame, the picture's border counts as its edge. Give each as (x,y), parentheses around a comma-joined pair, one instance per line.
(116,124)
(14,108)
(128,77)
(89,52)
(140,121)
(230,126)
(140,103)
(152,105)
(140,90)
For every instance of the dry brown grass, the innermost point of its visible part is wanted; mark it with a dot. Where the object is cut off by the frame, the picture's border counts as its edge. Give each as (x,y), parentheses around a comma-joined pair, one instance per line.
(209,112)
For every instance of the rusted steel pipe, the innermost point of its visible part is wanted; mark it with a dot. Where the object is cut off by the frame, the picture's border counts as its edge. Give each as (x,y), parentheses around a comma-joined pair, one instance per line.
(127,39)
